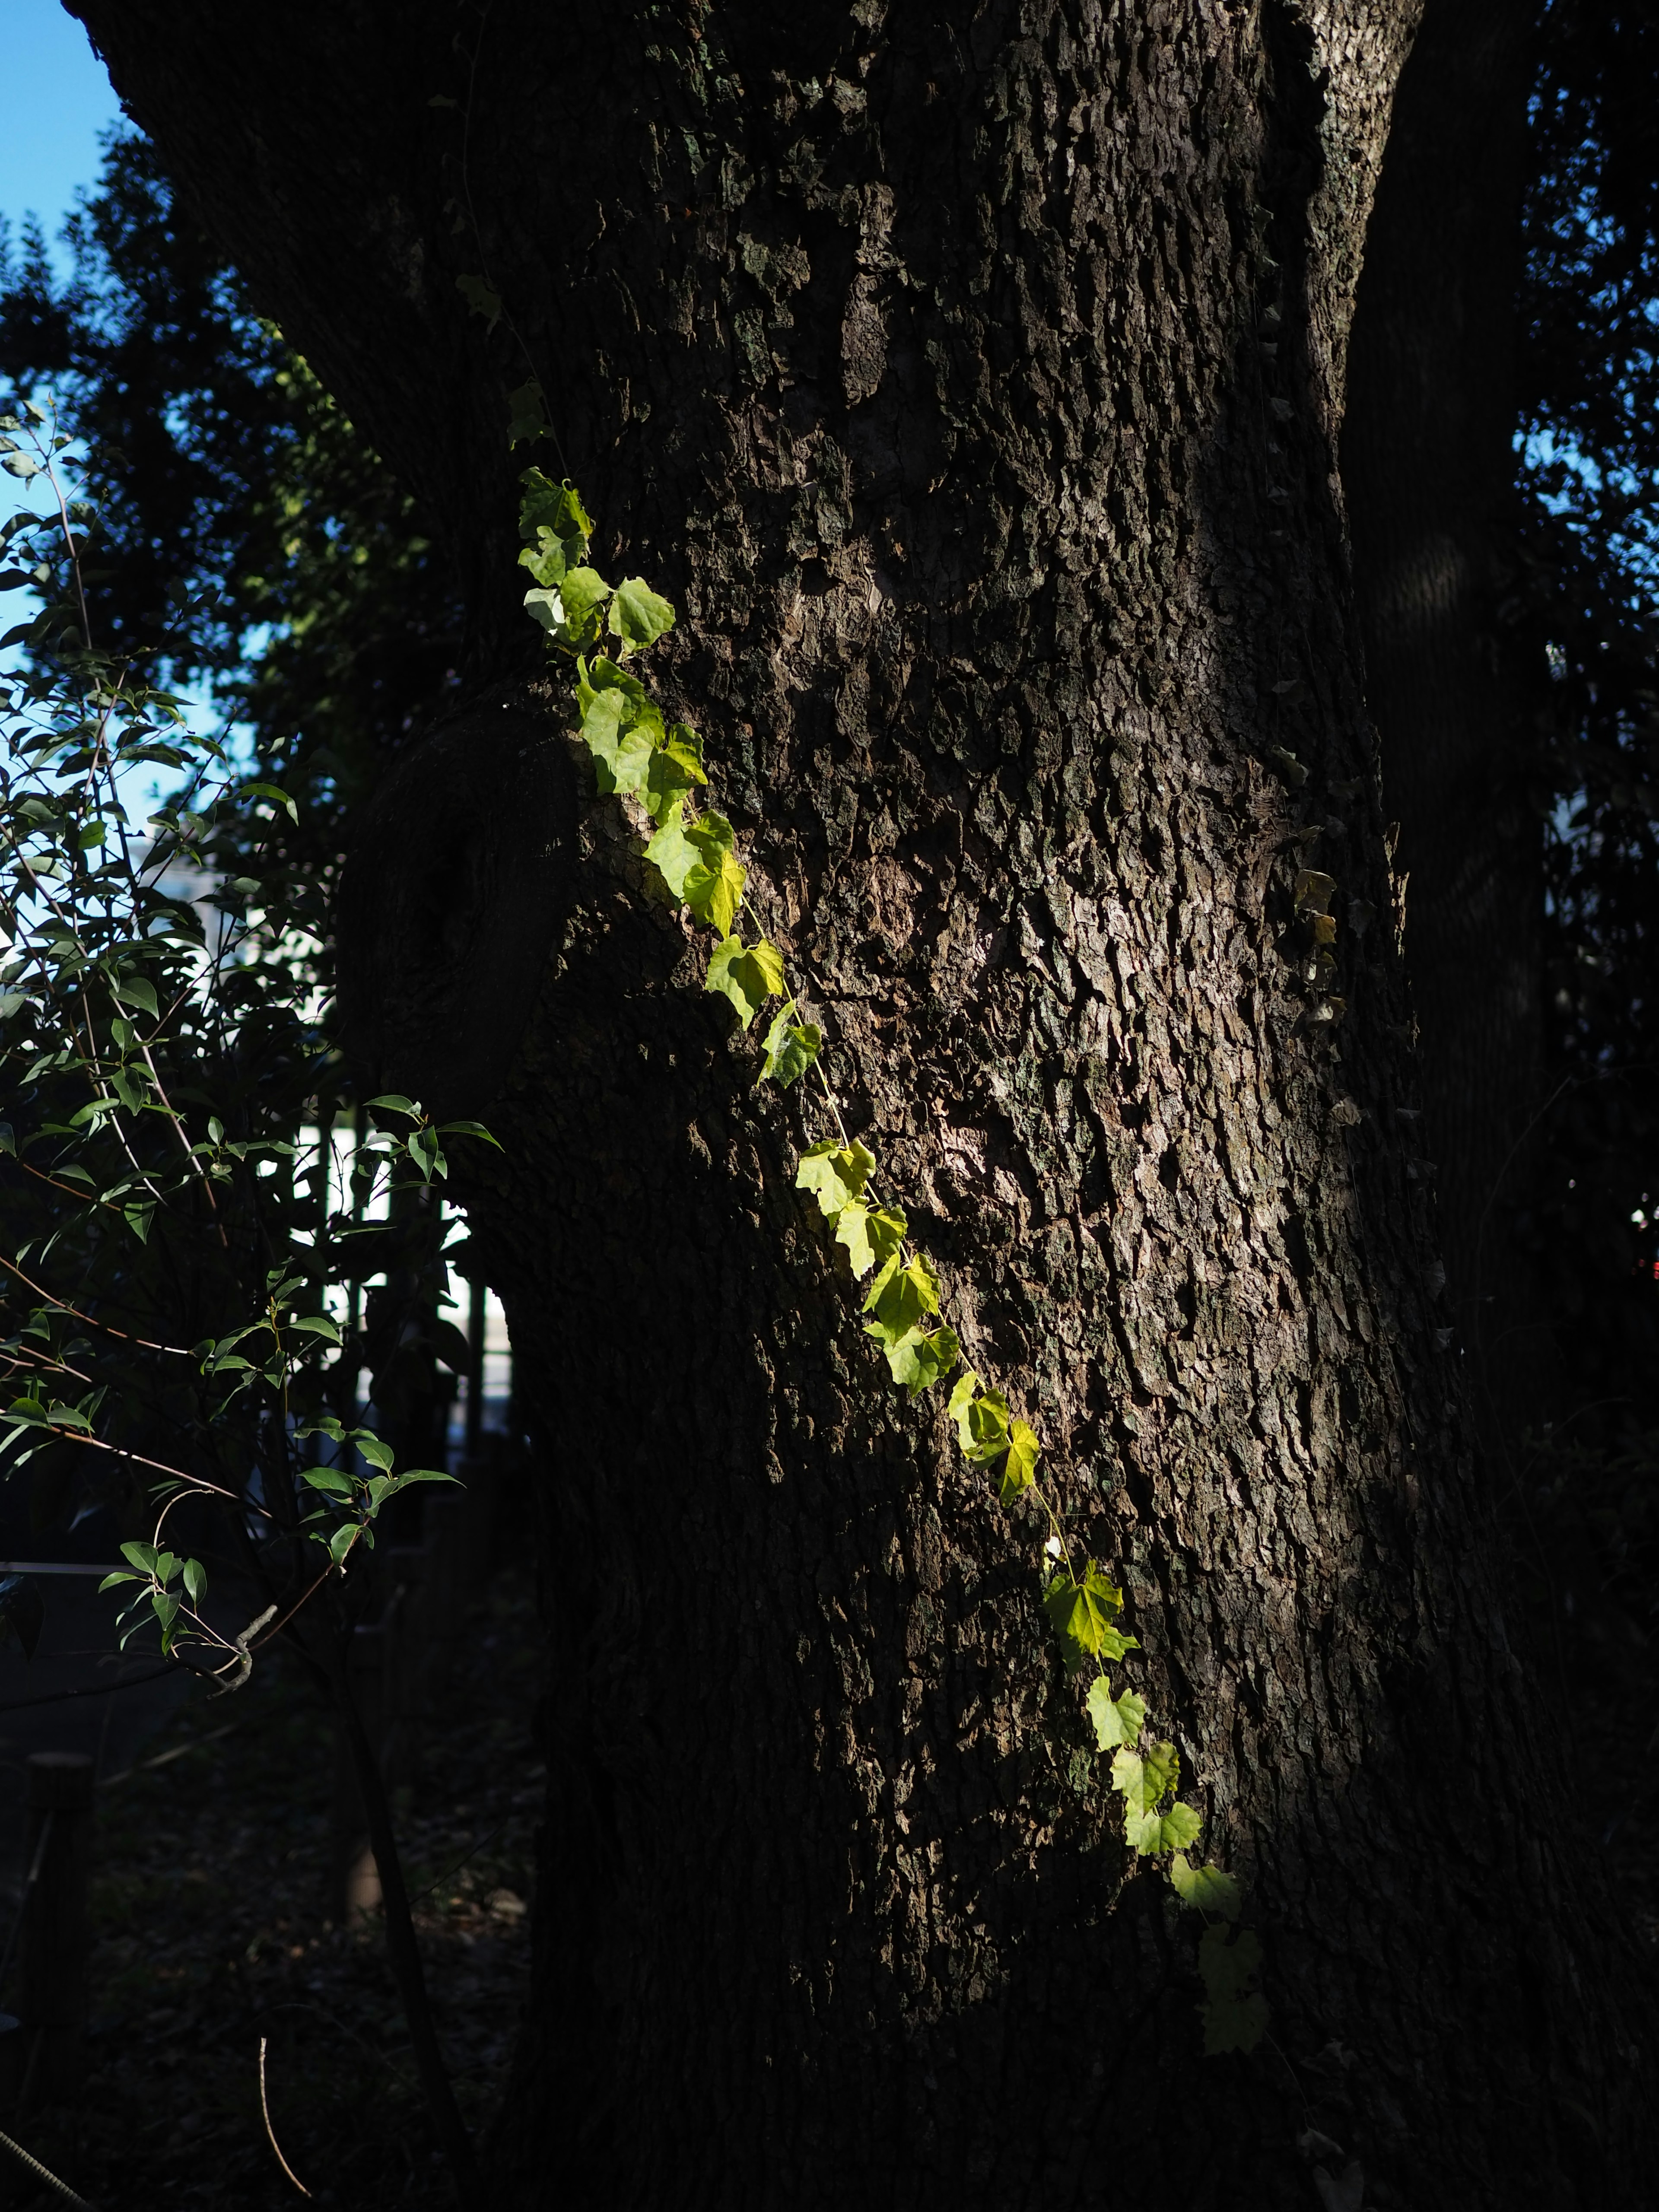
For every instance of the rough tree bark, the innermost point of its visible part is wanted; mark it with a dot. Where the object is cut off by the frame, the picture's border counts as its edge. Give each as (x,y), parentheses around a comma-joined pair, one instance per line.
(1428,467)
(972,379)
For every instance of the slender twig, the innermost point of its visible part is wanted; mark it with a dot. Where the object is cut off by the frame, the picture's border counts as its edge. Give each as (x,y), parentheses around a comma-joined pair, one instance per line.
(45,2174)
(62,1305)
(271,2133)
(177,1474)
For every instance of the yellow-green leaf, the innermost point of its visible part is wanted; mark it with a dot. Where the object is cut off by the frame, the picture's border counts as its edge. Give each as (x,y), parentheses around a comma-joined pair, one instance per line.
(791,1048)
(902,1296)
(871,1234)
(1117,1720)
(1235,2013)
(1207,1889)
(714,888)
(638,615)
(836,1173)
(919,1360)
(1019,1468)
(746,975)
(1082,1612)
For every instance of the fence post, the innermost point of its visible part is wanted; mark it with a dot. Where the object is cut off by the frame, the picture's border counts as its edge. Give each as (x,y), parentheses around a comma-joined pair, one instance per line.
(54,2000)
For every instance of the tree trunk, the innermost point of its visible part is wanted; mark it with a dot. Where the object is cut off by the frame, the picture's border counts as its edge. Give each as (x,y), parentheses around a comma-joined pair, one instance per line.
(972,382)
(1428,465)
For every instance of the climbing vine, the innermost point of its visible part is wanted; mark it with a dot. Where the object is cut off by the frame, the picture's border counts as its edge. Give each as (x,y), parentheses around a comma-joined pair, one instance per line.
(600,629)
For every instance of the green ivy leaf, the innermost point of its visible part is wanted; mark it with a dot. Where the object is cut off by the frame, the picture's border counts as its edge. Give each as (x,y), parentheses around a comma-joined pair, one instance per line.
(1082,1614)
(481,297)
(676,766)
(1206,1888)
(1142,1782)
(714,888)
(791,1048)
(962,1397)
(570,612)
(555,509)
(836,1173)
(1234,2014)
(638,615)
(1019,1468)
(1155,1832)
(982,1421)
(1117,1720)
(902,1298)
(748,975)
(918,1361)
(527,417)
(620,725)
(673,855)
(871,1234)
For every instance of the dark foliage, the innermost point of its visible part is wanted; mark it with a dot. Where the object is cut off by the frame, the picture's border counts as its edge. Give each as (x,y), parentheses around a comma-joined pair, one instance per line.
(1589,470)
(223,467)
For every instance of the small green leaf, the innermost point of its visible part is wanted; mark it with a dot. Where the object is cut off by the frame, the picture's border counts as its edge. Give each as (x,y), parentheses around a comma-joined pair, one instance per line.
(315,1325)
(329,1480)
(394,1102)
(791,1048)
(713,889)
(552,519)
(1082,1614)
(527,417)
(620,726)
(342,1541)
(676,766)
(1117,1720)
(981,1424)
(481,297)
(836,1173)
(900,1297)
(962,1397)
(1152,1833)
(672,853)
(142,1556)
(919,1360)
(638,615)
(277,796)
(135,991)
(195,1580)
(871,1234)
(376,1453)
(1234,2014)
(1019,1468)
(581,593)
(748,977)
(1144,1784)
(1207,1889)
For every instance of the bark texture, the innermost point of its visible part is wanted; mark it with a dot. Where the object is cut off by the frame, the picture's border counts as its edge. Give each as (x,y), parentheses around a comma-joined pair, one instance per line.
(972,380)
(1429,469)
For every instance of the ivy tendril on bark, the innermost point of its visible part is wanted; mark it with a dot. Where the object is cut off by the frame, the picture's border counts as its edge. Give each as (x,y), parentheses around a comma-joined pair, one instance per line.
(635,750)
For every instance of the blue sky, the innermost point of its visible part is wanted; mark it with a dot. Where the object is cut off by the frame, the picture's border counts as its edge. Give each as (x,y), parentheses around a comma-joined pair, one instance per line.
(54,100)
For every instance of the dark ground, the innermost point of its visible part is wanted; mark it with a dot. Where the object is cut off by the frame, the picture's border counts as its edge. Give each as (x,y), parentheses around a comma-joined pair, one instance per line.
(212,1917)
(212,1929)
